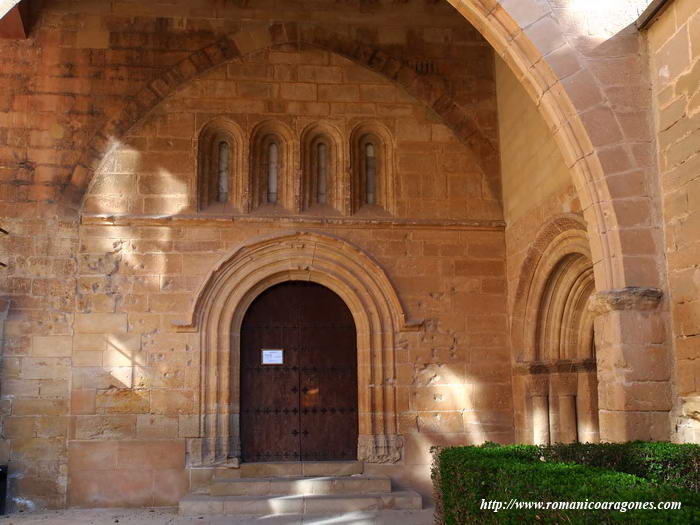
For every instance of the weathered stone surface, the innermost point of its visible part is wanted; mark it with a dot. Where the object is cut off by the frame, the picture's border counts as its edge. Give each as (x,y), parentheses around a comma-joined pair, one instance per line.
(631,298)
(99,138)
(675,75)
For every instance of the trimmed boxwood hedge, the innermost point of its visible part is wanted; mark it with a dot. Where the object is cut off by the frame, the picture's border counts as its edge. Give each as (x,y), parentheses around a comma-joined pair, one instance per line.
(676,464)
(463,476)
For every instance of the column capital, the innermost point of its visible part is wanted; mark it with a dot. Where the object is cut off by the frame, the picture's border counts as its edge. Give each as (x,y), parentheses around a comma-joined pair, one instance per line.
(637,298)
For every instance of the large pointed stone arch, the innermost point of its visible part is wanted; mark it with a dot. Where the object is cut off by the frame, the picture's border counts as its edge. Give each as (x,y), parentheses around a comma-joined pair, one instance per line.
(605,158)
(299,255)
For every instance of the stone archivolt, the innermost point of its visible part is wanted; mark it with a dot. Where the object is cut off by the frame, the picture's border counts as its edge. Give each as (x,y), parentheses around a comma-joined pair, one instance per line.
(221,305)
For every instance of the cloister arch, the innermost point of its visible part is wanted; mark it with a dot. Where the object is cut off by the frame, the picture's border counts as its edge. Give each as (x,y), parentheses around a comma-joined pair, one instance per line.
(528,37)
(302,256)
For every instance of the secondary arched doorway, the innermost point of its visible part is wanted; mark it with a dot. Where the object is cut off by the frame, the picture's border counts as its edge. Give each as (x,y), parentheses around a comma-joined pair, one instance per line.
(298,376)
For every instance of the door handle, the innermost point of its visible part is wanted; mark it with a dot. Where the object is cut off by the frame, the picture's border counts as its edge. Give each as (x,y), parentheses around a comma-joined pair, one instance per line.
(295,432)
(305,390)
(295,389)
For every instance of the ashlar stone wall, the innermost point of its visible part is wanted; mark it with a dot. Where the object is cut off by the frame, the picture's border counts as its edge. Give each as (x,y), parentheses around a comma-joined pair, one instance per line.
(136,380)
(674,55)
(89,359)
(100,390)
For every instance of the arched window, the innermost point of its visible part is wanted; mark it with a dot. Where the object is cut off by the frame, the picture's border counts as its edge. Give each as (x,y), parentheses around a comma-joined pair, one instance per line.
(270,162)
(320,177)
(272,171)
(219,165)
(370,186)
(321,173)
(372,182)
(224,160)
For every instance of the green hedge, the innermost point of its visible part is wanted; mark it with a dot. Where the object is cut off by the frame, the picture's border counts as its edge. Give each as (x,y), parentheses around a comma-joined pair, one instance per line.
(464,476)
(676,464)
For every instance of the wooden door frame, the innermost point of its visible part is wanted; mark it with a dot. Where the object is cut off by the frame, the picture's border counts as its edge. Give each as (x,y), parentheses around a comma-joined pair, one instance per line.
(300,256)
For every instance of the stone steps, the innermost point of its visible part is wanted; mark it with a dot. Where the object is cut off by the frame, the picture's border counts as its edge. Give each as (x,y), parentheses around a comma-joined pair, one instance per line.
(305,468)
(314,487)
(294,486)
(200,504)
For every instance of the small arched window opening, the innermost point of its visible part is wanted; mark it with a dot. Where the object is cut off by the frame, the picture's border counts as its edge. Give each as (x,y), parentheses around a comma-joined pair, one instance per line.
(269,162)
(224,160)
(218,165)
(369,175)
(321,173)
(320,183)
(370,193)
(372,173)
(272,172)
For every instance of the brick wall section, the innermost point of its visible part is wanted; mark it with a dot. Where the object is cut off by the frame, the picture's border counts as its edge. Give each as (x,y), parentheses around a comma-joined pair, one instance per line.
(537,186)
(88,59)
(674,49)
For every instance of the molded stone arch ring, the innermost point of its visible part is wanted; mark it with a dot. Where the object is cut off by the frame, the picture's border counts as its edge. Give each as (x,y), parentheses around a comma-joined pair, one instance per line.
(307,256)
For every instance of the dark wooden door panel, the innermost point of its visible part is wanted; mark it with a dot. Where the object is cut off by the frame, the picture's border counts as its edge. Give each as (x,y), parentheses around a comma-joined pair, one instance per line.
(269,397)
(329,392)
(306,408)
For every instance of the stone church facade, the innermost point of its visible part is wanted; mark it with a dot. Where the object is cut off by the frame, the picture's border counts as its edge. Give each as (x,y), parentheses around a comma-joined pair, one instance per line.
(503,197)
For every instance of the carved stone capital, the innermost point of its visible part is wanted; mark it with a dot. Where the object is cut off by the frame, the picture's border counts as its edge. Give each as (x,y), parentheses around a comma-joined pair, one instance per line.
(636,298)
(380,448)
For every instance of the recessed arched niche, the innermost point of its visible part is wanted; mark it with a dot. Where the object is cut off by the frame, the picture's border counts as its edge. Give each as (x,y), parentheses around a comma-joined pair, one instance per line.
(270,184)
(555,381)
(322,179)
(372,169)
(219,166)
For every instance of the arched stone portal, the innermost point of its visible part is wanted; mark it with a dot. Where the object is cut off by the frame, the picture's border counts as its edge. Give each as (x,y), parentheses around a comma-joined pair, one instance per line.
(554,362)
(300,256)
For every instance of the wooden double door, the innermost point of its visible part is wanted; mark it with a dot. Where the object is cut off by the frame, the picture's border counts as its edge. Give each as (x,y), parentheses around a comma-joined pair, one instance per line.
(298,376)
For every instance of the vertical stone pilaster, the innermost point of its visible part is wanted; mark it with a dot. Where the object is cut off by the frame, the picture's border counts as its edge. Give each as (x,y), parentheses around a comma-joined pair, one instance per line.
(634,373)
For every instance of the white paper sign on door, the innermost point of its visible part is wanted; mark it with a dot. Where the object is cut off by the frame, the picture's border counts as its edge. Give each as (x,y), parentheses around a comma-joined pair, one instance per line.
(272,357)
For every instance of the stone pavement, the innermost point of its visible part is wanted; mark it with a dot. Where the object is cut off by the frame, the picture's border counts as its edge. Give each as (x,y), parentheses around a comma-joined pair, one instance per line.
(170,517)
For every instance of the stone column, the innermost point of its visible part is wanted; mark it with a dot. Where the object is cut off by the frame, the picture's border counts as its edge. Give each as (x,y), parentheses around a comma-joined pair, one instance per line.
(587,407)
(540,419)
(634,372)
(567,419)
